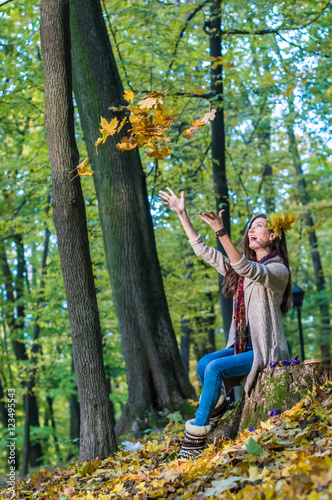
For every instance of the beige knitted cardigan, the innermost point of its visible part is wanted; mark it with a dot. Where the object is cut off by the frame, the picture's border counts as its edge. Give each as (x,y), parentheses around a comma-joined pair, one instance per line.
(264,287)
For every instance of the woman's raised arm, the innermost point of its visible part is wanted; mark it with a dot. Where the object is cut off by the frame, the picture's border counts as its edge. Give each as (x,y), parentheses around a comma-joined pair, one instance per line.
(178,204)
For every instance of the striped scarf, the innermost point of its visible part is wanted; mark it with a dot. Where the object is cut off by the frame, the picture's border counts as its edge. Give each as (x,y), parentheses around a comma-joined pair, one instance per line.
(241,338)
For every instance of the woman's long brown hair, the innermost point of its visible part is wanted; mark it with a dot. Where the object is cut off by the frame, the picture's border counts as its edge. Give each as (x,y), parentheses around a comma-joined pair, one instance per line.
(279,244)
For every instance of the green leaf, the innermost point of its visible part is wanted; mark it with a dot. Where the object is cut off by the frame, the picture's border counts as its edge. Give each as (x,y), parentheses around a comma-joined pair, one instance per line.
(253,447)
(175,417)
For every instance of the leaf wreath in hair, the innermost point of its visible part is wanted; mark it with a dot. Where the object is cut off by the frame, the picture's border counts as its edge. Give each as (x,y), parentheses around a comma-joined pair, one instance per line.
(279,224)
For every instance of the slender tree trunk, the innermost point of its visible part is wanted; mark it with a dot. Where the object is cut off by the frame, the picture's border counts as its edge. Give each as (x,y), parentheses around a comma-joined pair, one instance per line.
(219,147)
(4,420)
(264,144)
(30,398)
(74,407)
(16,323)
(74,414)
(53,424)
(185,343)
(315,255)
(155,375)
(97,433)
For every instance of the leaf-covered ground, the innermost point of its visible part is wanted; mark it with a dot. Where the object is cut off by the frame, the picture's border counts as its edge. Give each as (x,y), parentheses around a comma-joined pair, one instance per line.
(291,460)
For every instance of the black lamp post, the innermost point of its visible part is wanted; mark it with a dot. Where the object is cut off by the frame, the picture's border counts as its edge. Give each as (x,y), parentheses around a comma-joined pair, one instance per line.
(298,295)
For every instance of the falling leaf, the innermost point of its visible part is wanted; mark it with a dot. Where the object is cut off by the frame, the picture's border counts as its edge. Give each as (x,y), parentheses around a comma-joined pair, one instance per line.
(83,169)
(110,127)
(209,117)
(190,132)
(151,100)
(159,154)
(122,124)
(127,144)
(128,95)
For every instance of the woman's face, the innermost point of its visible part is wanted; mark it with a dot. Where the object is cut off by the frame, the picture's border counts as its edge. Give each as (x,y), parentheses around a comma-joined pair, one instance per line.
(260,237)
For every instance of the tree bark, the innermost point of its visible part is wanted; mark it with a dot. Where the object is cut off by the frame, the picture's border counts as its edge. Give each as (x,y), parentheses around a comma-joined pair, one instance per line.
(219,148)
(315,255)
(155,375)
(97,433)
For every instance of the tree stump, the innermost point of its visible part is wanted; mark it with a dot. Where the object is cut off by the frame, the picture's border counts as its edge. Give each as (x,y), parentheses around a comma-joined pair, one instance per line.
(277,388)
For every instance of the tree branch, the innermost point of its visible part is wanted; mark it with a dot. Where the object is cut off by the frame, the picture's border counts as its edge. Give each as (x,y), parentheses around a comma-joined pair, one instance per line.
(275,30)
(189,18)
(116,44)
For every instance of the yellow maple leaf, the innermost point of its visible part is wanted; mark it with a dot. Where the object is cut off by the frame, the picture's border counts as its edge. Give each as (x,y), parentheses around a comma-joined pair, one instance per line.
(148,103)
(107,129)
(198,123)
(209,117)
(98,141)
(190,132)
(279,224)
(159,153)
(151,100)
(118,487)
(122,124)
(154,446)
(110,127)
(128,95)
(83,169)
(169,475)
(127,144)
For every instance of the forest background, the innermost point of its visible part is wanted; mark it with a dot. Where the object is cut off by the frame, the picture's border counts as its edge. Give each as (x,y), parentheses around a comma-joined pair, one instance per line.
(277,108)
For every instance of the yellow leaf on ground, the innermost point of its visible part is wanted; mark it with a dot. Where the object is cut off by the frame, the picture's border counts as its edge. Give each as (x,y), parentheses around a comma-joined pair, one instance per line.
(118,487)
(69,491)
(169,475)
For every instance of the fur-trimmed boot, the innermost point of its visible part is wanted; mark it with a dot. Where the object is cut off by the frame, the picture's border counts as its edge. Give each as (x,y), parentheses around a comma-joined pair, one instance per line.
(220,409)
(194,440)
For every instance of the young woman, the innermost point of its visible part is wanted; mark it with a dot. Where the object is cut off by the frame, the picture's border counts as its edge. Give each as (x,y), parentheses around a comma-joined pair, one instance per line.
(260,282)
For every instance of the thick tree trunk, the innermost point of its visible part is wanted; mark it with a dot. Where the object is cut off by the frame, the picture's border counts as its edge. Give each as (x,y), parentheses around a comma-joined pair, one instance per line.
(315,255)
(219,148)
(275,388)
(97,433)
(155,375)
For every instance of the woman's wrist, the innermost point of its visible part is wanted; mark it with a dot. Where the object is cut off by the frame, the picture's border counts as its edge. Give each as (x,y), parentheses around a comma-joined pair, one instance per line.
(221,232)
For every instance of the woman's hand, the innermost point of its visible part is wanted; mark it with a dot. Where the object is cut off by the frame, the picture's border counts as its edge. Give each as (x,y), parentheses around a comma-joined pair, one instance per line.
(173,201)
(214,221)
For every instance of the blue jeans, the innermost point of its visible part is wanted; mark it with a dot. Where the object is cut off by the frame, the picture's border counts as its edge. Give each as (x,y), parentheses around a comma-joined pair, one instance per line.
(212,369)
